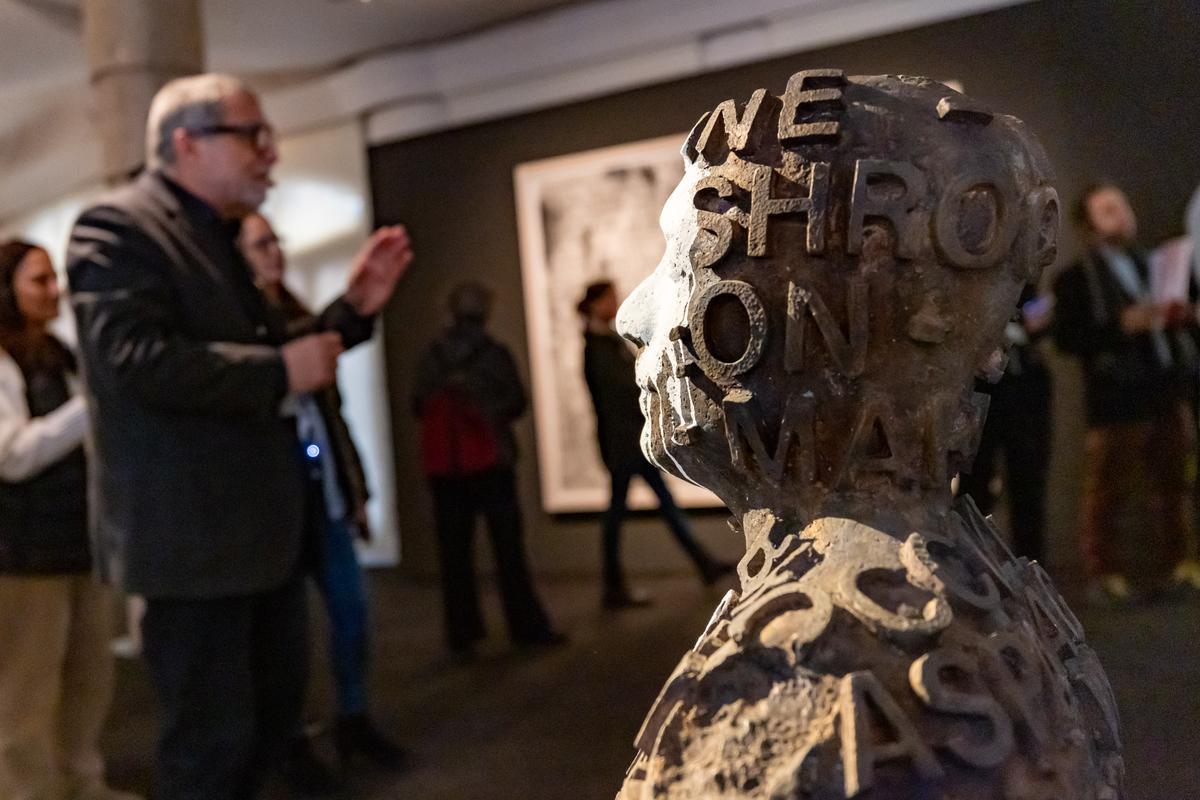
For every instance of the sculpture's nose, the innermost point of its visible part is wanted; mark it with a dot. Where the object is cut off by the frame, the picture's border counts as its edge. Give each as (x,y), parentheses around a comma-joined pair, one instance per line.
(635,317)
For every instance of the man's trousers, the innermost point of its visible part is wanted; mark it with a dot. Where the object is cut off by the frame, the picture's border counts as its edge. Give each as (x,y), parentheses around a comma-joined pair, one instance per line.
(1117,455)
(230,674)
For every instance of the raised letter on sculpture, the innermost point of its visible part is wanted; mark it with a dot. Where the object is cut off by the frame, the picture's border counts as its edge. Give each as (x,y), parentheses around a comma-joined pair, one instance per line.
(849,353)
(925,675)
(795,433)
(863,706)
(763,206)
(736,131)
(717,227)
(811,102)
(887,190)
(975,222)
(756,315)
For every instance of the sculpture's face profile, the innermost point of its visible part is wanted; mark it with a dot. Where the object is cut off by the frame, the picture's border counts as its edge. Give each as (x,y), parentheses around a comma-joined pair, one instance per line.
(840,264)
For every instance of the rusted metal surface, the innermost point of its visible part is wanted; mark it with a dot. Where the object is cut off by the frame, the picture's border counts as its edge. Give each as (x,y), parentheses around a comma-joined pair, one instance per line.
(840,265)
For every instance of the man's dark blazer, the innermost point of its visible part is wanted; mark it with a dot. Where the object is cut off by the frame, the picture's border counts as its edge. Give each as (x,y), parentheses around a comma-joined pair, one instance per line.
(197,488)
(1123,380)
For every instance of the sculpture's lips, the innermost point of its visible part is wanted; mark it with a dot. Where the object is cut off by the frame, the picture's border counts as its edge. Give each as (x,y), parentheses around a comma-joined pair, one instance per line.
(645,378)
(650,398)
(647,398)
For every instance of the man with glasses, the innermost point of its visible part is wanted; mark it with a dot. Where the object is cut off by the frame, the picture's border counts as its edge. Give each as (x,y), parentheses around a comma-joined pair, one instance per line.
(259,135)
(199,485)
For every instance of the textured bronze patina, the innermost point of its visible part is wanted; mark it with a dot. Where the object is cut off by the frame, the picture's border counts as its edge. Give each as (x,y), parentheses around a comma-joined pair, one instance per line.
(841,262)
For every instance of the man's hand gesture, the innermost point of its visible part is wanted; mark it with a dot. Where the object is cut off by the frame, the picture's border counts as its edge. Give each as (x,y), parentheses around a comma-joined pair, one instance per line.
(377,267)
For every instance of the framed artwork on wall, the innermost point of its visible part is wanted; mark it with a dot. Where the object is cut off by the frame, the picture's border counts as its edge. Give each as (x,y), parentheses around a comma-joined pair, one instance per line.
(581,218)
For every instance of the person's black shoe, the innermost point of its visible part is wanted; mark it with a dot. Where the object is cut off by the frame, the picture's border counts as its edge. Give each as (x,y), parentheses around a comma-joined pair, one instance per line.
(713,571)
(305,773)
(618,597)
(355,734)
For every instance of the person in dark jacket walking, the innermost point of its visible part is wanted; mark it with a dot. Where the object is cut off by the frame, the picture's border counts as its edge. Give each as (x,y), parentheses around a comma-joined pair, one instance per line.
(340,516)
(467,396)
(1130,350)
(56,672)
(608,368)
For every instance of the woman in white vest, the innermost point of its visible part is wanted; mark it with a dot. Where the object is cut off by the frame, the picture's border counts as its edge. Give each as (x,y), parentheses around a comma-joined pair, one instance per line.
(55,669)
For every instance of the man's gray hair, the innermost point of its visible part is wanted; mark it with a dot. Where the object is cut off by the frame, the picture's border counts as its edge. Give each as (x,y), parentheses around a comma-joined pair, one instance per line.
(193,102)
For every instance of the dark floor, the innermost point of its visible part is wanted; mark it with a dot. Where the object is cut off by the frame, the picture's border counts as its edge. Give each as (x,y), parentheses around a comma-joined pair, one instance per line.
(560,724)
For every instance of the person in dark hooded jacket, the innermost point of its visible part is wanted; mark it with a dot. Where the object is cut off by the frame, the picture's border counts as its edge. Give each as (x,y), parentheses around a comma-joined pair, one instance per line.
(467,396)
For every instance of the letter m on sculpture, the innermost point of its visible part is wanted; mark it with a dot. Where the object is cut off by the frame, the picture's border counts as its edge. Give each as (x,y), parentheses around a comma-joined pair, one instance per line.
(745,440)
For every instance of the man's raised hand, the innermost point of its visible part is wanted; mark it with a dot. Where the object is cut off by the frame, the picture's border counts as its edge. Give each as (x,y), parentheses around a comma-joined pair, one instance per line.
(377,267)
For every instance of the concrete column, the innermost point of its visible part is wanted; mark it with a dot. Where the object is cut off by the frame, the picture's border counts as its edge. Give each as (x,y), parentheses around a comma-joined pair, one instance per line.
(133,48)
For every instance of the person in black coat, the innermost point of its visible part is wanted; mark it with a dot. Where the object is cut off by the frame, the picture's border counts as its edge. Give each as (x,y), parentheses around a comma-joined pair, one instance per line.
(1130,348)
(467,397)
(608,368)
(200,492)
(341,517)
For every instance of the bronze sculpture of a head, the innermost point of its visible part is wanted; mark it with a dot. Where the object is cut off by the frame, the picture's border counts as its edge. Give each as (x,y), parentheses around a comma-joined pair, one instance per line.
(840,264)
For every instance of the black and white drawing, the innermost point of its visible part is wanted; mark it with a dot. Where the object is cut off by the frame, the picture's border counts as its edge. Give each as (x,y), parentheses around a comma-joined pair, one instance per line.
(586,217)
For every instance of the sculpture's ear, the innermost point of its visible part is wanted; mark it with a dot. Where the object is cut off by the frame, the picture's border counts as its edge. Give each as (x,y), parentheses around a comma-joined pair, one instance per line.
(1045,216)
(689,152)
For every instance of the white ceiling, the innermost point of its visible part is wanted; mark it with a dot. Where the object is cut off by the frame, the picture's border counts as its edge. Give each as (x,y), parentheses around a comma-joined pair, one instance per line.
(40,39)
(46,131)
(251,36)
(409,67)
(37,46)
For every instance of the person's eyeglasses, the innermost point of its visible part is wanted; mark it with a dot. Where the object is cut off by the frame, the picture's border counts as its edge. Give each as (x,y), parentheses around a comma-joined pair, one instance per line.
(259,135)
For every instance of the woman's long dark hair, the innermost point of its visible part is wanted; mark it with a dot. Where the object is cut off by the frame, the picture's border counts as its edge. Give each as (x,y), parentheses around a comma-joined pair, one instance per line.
(34,349)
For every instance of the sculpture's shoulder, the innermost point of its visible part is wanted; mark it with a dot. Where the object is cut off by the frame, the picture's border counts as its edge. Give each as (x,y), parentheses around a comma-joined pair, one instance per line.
(856,664)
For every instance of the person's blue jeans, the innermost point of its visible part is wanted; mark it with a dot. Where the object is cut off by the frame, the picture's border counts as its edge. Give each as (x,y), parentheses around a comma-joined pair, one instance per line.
(340,579)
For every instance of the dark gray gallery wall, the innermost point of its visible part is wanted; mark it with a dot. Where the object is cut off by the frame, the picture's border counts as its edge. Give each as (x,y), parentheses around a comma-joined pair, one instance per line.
(1107,85)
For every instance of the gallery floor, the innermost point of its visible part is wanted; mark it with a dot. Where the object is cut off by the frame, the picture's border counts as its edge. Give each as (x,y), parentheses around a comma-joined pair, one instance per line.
(557,724)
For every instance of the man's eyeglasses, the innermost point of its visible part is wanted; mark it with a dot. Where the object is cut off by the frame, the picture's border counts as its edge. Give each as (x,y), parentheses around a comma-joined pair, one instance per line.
(259,135)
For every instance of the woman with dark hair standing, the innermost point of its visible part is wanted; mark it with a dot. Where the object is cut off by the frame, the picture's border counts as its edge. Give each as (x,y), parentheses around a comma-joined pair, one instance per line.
(56,671)
(338,504)
(608,369)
